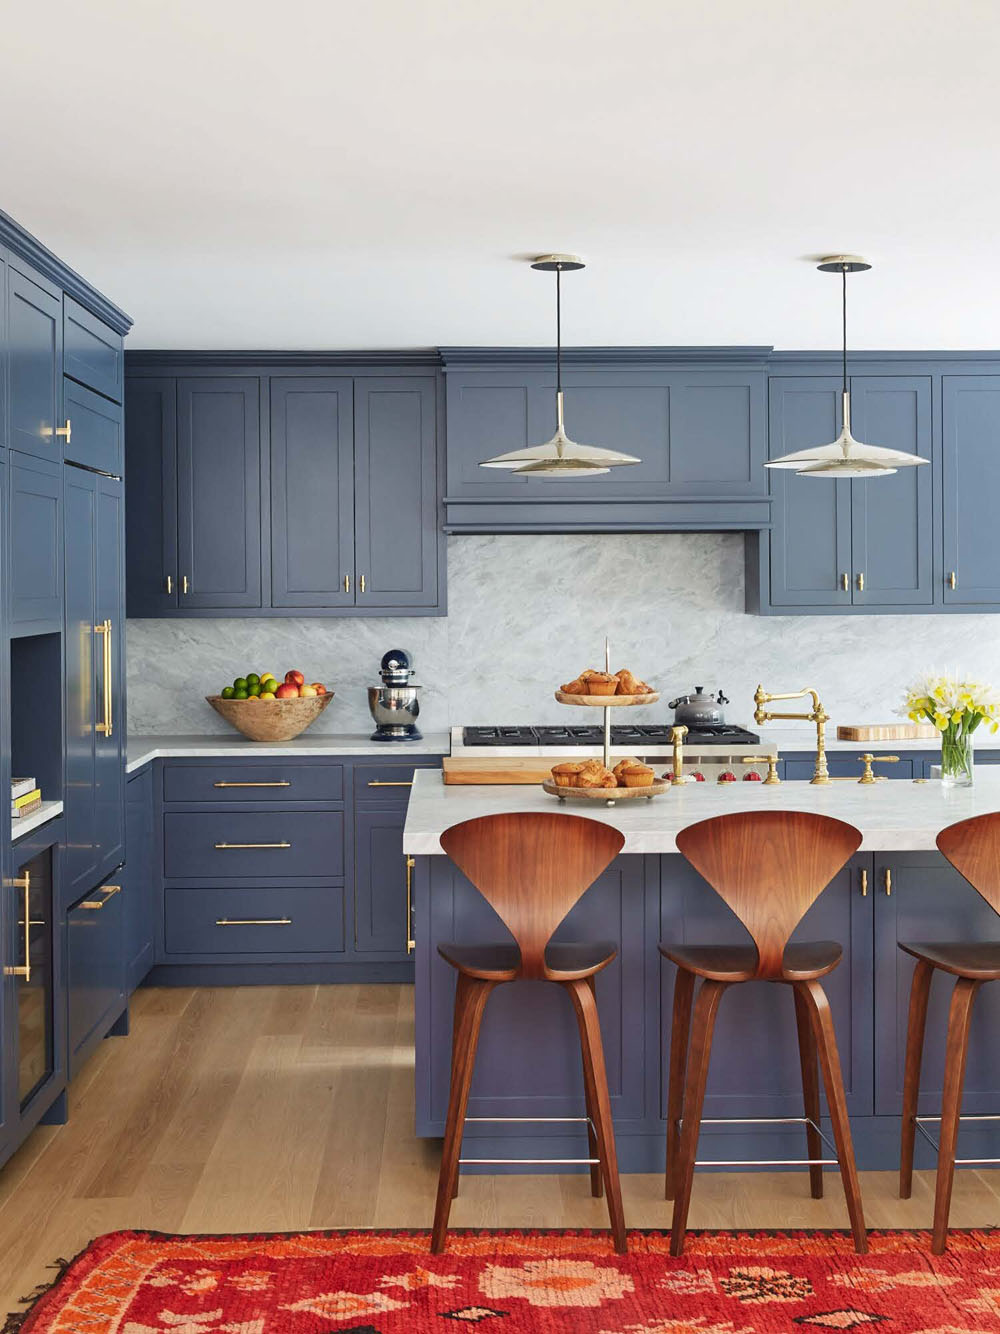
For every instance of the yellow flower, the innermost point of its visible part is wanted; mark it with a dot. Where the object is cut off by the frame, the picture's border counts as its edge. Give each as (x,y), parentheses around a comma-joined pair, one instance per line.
(940,721)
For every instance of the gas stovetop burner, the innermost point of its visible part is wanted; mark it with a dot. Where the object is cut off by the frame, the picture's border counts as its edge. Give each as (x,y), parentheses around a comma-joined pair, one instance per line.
(626,734)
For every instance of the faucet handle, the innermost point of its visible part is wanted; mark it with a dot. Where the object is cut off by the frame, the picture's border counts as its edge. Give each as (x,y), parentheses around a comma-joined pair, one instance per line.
(868,759)
(772,767)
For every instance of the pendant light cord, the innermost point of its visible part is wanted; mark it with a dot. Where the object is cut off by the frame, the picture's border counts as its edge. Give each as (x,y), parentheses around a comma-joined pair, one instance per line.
(843,315)
(558,328)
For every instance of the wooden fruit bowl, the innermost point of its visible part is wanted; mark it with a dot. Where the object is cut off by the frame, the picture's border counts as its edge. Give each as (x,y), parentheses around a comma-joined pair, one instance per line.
(270,719)
(606,701)
(607,794)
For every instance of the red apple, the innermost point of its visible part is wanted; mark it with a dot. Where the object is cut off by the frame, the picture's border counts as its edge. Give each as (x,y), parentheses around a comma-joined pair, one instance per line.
(319,687)
(294,678)
(308,692)
(287,691)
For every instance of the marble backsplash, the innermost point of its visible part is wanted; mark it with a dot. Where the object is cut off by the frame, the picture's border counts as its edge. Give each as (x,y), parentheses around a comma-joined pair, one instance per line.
(527,612)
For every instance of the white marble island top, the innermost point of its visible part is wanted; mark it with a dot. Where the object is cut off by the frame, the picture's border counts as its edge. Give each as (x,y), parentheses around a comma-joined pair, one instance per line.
(897,815)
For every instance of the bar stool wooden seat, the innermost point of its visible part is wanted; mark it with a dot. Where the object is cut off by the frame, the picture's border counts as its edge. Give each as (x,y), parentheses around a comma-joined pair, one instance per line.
(532,868)
(768,867)
(973,848)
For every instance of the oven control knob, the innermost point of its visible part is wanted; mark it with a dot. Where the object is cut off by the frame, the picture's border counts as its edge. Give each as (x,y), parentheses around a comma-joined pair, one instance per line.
(727,776)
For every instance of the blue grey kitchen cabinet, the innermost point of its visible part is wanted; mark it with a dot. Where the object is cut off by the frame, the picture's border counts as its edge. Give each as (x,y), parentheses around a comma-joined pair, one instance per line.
(94,654)
(312,491)
(699,432)
(397,545)
(95,949)
(36,559)
(92,351)
(34,342)
(137,878)
(971,414)
(218,489)
(919,897)
(153,584)
(383,880)
(94,429)
(842,544)
(800,769)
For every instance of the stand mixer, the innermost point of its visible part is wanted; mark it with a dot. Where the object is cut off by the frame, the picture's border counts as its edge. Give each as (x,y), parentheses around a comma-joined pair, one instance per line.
(394,705)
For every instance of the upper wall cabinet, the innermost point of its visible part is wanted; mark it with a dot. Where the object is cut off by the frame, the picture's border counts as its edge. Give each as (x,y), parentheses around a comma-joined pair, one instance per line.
(971,412)
(34,340)
(300,494)
(92,352)
(699,431)
(848,545)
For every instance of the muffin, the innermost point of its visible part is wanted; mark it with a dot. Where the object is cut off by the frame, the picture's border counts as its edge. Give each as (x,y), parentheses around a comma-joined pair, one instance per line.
(626,763)
(567,773)
(601,683)
(636,775)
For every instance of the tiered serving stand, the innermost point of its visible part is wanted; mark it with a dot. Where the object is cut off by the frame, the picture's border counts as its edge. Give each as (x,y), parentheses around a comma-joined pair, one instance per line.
(608,795)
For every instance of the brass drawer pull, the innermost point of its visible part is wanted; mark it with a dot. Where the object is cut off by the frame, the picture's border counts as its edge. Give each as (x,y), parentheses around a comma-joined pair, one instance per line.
(184,584)
(23,883)
(395,782)
(66,431)
(170,583)
(411,944)
(347,583)
(361,583)
(105,629)
(888,882)
(253,921)
(864,884)
(223,846)
(95,905)
(283,783)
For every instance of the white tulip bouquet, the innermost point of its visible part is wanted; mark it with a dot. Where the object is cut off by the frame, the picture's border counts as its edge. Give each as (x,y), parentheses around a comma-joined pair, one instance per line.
(956,707)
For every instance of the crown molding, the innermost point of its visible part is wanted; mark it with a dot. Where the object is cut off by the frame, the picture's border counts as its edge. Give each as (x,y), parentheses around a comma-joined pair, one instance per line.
(488,357)
(163,359)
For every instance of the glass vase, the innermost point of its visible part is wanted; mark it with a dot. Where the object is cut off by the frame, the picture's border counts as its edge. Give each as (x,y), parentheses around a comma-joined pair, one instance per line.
(957,758)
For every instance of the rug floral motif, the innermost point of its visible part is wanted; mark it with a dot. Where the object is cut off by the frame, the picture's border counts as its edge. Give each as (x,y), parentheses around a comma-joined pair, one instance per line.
(516,1282)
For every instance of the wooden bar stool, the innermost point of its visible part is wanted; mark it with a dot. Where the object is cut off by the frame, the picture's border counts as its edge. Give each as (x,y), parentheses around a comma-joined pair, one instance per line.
(973,848)
(769,867)
(531,867)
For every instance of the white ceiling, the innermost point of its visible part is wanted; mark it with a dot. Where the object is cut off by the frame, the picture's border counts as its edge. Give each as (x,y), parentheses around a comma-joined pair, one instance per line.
(322,174)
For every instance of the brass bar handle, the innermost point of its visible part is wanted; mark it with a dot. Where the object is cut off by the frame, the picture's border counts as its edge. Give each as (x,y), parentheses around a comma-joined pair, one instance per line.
(253,921)
(864,883)
(771,761)
(888,882)
(845,582)
(184,583)
(105,728)
(284,782)
(411,944)
(170,583)
(394,782)
(95,905)
(23,883)
(952,580)
(66,431)
(868,759)
(227,846)
(347,583)
(361,583)
(861,582)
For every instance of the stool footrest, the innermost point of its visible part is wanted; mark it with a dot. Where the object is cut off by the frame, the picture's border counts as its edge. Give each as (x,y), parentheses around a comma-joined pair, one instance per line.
(535,1162)
(767,1162)
(959,1162)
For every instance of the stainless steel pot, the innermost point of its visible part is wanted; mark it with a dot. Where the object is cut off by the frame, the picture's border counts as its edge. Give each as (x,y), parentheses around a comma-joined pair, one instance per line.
(699,709)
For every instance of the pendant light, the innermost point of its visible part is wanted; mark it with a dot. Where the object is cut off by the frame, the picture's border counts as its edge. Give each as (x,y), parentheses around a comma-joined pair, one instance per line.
(845,457)
(560,456)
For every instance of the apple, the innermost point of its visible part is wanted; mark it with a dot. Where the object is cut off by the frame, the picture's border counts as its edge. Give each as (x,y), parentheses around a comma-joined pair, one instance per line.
(294,679)
(308,692)
(286,691)
(319,687)
(266,694)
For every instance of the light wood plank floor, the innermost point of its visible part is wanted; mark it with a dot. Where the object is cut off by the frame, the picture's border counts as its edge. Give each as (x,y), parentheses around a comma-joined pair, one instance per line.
(269,1109)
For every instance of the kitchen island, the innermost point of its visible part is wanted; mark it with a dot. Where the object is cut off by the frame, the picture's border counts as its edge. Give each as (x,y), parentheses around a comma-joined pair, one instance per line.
(897,887)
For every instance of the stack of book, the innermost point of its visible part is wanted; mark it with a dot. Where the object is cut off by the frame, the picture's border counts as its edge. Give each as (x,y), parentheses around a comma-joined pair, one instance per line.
(25,797)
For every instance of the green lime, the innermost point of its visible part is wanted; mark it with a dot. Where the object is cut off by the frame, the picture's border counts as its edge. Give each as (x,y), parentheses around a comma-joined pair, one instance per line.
(253,688)
(240,694)
(240,683)
(228,692)
(268,683)
(253,679)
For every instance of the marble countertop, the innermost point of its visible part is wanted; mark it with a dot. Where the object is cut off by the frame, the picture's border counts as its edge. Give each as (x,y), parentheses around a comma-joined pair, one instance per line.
(804,738)
(894,816)
(26,823)
(142,749)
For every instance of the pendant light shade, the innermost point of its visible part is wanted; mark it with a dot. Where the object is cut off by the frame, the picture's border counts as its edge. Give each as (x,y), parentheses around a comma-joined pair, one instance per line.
(560,456)
(845,456)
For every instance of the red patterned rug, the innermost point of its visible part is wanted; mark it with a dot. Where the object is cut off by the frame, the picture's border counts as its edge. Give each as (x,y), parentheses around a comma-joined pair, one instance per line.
(515,1282)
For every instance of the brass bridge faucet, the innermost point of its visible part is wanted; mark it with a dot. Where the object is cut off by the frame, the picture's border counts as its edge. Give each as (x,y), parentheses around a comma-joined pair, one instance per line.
(819,716)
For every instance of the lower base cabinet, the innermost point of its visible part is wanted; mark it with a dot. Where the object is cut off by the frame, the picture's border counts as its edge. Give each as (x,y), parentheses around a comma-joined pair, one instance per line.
(138,891)
(95,970)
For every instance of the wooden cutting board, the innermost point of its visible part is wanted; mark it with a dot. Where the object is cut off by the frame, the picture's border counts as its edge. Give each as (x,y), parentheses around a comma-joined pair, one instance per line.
(889,732)
(479,769)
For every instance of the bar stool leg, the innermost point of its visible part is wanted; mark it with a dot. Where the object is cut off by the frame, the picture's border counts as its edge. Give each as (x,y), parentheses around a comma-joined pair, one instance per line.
(810,1094)
(471,995)
(915,1025)
(833,1080)
(595,1076)
(680,1037)
(593,1151)
(705,1010)
(956,1050)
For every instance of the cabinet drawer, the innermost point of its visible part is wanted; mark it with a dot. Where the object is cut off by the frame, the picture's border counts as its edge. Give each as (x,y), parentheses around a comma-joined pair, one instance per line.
(387,782)
(254,921)
(95,429)
(96,969)
(279,781)
(253,844)
(92,352)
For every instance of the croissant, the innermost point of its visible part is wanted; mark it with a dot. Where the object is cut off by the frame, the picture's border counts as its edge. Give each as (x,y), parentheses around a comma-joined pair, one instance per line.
(629,684)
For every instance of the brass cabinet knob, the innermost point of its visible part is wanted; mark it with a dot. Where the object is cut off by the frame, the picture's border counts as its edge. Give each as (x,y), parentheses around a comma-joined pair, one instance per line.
(347,583)
(861,581)
(845,582)
(952,580)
